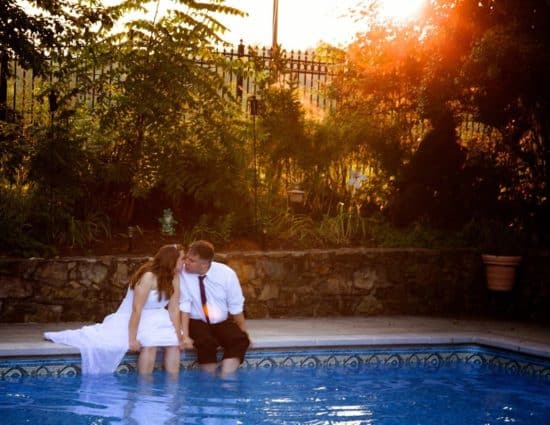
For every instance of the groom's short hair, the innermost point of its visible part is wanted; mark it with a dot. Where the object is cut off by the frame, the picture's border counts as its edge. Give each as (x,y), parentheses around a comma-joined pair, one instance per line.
(204,249)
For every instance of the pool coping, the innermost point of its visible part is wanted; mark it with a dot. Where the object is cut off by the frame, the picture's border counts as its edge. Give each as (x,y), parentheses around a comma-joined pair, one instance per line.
(24,340)
(510,344)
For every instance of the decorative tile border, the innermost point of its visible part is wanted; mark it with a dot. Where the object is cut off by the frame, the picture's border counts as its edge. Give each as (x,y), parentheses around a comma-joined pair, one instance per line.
(411,356)
(355,357)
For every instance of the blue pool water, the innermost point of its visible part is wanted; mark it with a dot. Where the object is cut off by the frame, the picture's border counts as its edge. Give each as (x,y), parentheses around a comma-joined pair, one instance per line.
(353,392)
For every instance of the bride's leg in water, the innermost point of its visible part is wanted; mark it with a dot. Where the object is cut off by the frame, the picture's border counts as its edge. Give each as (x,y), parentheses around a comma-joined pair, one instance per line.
(172,360)
(146,360)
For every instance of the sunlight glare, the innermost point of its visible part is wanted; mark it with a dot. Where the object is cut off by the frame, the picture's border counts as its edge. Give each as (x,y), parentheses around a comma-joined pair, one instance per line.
(399,11)
(302,24)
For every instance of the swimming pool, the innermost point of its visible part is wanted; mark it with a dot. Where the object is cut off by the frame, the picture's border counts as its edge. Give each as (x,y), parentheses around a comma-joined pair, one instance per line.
(407,385)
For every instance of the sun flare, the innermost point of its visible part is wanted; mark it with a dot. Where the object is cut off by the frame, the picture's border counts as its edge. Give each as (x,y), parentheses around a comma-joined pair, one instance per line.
(302,24)
(399,10)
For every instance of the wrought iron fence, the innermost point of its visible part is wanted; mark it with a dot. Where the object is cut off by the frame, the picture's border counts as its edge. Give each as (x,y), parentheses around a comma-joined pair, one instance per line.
(304,69)
(21,92)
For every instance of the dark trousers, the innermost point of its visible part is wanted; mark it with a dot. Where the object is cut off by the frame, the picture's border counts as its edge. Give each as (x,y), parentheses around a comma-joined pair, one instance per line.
(208,337)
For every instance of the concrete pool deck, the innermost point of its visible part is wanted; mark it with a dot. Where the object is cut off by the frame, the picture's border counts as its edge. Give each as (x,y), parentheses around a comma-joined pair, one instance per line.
(25,339)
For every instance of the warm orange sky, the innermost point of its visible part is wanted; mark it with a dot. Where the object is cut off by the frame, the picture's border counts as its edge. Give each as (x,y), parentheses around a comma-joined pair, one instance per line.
(302,23)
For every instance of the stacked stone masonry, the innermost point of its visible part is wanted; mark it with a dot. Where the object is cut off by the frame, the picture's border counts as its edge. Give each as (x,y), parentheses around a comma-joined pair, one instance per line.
(276,284)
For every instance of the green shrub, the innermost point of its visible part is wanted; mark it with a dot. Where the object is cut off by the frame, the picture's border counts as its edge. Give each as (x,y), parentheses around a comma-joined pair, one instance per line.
(345,228)
(384,234)
(81,232)
(496,237)
(16,238)
(216,230)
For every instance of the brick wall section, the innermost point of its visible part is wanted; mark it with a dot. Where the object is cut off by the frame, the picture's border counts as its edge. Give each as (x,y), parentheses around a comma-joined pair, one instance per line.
(313,283)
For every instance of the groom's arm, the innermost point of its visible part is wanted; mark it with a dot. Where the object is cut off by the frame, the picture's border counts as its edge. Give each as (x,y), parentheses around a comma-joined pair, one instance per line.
(186,341)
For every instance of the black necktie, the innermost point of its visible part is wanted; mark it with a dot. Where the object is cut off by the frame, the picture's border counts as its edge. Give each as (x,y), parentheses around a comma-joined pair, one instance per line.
(203,298)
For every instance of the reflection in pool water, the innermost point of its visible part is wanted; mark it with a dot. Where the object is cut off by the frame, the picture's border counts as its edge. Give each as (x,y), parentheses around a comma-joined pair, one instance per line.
(365,393)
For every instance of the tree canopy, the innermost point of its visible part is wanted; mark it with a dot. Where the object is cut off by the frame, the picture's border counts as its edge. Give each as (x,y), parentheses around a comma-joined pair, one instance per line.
(436,122)
(481,61)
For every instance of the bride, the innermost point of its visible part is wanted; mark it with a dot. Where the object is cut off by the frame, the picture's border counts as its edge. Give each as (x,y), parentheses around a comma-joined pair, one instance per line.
(142,322)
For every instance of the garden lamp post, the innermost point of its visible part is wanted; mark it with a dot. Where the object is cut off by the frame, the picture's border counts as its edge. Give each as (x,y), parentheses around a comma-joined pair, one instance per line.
(52,102)
(275,24)
(296,196)
(53,106)
(3,86)
(253,105)
(297,199)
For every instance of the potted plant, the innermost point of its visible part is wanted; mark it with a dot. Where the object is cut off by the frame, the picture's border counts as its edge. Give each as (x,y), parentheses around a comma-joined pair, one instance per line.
(501,248)
(500,271)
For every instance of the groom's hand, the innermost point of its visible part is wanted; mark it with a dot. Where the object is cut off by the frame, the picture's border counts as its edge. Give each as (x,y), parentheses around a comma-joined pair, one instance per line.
(186,343)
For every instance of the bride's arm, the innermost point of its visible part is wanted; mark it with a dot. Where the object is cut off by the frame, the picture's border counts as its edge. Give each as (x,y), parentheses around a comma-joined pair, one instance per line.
(141,292)
(173,307)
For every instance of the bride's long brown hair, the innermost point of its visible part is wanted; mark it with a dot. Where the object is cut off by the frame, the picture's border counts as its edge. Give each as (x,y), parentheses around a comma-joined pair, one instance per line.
(163,267)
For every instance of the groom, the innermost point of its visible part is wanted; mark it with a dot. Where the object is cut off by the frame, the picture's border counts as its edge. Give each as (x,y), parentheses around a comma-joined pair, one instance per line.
(211,305)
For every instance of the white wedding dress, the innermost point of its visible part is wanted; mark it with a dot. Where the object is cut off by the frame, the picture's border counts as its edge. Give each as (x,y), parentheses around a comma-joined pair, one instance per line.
(102,346)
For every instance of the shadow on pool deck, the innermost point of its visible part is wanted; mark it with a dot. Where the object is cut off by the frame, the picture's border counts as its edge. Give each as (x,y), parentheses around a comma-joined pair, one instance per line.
(25,339)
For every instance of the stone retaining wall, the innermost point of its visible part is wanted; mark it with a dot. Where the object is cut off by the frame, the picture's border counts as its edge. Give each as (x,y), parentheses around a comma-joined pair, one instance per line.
(338,282)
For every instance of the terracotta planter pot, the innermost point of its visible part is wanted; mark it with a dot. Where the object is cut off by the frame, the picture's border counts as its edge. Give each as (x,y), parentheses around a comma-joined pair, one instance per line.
(500,271)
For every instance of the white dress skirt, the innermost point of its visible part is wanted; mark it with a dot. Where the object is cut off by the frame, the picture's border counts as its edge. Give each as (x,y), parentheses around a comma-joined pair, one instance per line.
(102,346)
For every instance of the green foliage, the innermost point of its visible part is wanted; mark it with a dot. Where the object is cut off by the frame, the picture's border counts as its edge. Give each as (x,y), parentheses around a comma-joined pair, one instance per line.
(45,175)
(283,143)
(474,61)
(207,160)
(507,64)
(81,233)
(346,227)
(14,146)
(282,226)
(353,137)
(52,183)
(432,185)
(496,237)
(419,235)
(30,226)
(282,122)
(58,160)
(217,230)
(34,33)
(165,128)
(163,125)
(15,211)
(169,125)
